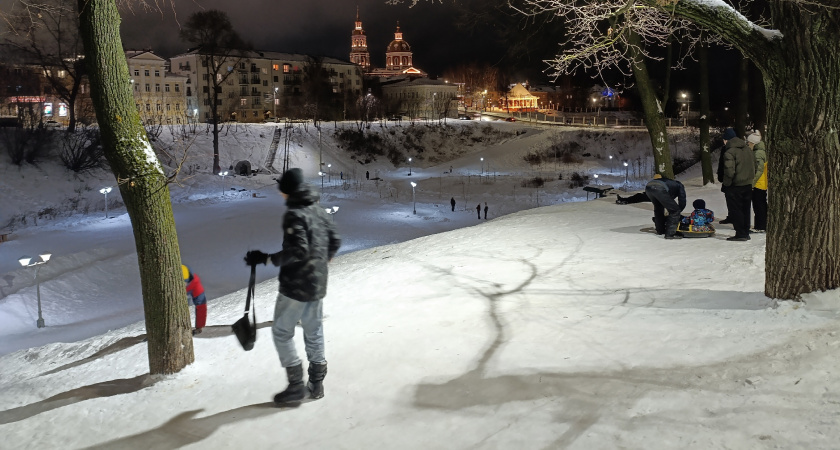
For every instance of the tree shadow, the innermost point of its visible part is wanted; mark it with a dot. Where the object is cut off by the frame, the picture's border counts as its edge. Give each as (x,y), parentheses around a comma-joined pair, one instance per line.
(209,332)
(185,429)
(98,390)
(586,396)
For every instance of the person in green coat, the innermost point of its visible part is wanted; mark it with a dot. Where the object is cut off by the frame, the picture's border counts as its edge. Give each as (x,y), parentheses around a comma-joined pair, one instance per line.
(738,173)
(759,192)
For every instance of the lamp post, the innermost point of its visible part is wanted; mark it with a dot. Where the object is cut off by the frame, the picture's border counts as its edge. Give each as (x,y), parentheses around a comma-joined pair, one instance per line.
(409,166)
(626,172)
(597,181)
(611,164)
(321,174)
(413,198)
(274,100)
(26,261)
(482,166)
(329,173)
(105,191)
(223,175)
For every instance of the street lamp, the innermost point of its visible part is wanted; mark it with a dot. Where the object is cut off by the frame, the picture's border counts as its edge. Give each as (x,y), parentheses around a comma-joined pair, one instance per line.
(409,166)
(413,198)
(611,164)
(26,261)
(329,173)
(105,191)
(321,174)
(626,171)
(482,166)
(274,98)
(223,175)
(597,181)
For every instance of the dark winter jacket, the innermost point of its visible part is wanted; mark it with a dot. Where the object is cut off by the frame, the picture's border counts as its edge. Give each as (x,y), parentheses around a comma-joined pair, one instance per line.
(310,241)
(738,164)
(676,189)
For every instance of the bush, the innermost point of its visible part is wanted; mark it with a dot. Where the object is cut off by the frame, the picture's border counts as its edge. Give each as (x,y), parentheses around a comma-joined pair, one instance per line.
(578,180)
(535,182)
(82,150)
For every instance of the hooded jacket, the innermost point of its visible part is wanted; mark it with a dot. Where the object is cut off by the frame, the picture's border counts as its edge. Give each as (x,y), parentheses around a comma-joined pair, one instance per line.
(760,178)
(738,164)
(310,241)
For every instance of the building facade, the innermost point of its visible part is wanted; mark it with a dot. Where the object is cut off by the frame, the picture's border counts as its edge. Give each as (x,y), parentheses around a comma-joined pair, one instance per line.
(264,85)
(359,53)
(420,98)
(399,59)
(160,95)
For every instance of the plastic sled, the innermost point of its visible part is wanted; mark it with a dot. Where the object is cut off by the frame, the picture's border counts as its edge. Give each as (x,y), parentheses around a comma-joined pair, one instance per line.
(690,232)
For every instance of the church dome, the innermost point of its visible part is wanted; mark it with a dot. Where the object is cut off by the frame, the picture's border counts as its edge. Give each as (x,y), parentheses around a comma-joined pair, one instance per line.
(398,45)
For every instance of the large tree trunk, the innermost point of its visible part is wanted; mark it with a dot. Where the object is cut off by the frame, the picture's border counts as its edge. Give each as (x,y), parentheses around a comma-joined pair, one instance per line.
(143,188)
(803,150)
(705,138)
(653,111)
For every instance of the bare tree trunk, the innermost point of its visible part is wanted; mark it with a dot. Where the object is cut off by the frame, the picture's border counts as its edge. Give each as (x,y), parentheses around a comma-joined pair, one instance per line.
(803,150)
(143,187)
(705,139)
(653,111)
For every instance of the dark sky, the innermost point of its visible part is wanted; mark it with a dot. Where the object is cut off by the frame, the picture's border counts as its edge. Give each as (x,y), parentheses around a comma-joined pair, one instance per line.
(322,27)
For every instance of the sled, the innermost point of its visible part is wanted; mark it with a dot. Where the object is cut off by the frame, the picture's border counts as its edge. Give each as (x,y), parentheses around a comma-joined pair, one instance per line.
(690,232)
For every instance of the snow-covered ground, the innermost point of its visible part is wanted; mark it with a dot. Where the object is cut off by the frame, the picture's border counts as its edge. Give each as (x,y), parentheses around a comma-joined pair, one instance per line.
(559,326)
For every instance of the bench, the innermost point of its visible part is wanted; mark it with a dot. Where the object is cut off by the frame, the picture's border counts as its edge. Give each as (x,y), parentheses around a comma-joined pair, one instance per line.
(4,236)
(599,190)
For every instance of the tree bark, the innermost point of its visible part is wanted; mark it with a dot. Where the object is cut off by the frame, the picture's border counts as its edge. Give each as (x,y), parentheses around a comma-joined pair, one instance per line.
(803,150)
(653,111)
(143,187)
(705,138)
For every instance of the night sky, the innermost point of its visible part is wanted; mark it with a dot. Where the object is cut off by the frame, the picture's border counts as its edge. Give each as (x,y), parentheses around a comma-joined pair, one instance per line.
(322,27)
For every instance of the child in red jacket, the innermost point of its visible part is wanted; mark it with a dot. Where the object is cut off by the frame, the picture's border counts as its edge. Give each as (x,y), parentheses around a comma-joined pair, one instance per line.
(196,292)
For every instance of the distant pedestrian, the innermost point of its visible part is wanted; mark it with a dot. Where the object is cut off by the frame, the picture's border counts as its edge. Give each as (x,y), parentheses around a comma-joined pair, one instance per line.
(452,202)
(342,174)
(367,174)
(195,290)
(485,210)
(478,210)
(450,169)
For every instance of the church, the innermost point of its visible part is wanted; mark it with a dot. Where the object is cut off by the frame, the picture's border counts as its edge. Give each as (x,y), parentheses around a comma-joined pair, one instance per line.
(398,55)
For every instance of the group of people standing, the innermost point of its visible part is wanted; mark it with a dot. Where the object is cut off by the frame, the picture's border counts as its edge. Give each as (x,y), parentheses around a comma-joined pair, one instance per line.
(742,172)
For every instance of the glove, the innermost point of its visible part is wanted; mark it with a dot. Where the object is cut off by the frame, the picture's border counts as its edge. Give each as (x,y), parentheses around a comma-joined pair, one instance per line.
(196,331)
(254,257)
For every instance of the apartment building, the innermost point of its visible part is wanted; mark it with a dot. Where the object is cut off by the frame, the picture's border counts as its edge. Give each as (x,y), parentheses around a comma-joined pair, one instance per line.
(159,94)
(259,86)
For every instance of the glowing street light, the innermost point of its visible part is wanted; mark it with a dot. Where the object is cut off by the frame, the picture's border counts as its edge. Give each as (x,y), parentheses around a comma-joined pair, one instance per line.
(482,166)
(413,198)
(321,174)
(597,181)
(223,175)
(105,191)
(274,100)
(26,261)
(329,173)
(409,166)
(611,164)
(626,172)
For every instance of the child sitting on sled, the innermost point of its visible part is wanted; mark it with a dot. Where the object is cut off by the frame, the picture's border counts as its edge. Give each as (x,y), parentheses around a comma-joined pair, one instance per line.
(700,219)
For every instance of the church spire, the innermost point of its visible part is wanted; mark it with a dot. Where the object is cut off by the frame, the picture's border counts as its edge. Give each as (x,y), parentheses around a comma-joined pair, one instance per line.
(358,44)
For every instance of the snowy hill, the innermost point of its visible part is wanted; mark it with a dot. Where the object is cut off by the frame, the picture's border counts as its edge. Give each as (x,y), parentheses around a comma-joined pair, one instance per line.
(559,326)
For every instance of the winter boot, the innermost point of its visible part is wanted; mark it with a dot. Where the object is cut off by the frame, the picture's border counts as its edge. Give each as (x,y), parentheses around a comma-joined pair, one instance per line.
(317,372)
(296,391)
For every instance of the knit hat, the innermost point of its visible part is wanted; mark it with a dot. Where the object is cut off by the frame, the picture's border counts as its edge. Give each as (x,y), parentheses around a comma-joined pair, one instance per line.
(290,181)
(185,272)
(728,134)
(699,204)
(754,138)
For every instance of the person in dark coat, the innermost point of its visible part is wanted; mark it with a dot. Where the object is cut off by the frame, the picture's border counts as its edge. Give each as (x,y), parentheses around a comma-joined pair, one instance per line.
(478,210)
(367,174)
(738,175)
(310,241)
(485,210)
(639,197)
(452,202)
(662,191)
